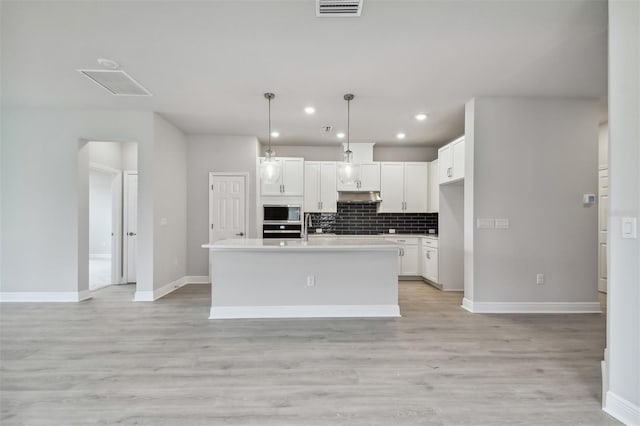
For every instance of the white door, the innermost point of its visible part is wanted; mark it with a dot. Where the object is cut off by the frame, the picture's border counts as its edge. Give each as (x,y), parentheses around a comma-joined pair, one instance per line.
(227,206)
(458,160)
(131,225)
(434,187)
(392,187)
(603,217)
(328,189)
(116,228)
(292,176)
(445,160)
(416,184)
(312,186)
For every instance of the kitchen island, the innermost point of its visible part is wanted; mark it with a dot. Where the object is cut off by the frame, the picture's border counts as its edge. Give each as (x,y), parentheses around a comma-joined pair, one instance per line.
(322,277)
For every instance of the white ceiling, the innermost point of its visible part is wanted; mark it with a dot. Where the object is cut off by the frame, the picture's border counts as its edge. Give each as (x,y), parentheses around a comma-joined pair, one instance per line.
(208,63)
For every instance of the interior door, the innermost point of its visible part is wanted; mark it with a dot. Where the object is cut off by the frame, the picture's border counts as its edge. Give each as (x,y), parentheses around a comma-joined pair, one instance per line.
(227,207)
(131,225)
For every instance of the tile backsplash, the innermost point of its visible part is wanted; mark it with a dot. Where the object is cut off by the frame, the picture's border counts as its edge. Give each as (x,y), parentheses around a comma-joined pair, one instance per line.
(363,219)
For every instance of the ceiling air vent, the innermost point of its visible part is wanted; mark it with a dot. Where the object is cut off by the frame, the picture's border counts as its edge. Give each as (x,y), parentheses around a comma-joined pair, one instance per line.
(340,8)
(117,82)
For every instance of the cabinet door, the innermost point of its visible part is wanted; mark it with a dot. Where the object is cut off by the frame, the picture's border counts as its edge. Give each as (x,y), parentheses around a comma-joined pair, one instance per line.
(392,187)
(312,186)
(272,188)
(293,176)
(432,265)
(416,187)
(369,177)
(328,191)
(423,261)
(434,188)
(410,260)
(445,160)
(458,160)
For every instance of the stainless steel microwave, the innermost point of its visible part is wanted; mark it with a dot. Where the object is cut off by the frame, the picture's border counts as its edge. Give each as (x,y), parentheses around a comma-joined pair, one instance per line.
(281,213)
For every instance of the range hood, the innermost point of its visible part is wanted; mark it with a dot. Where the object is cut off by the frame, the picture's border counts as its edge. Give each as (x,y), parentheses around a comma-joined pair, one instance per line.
(370,197)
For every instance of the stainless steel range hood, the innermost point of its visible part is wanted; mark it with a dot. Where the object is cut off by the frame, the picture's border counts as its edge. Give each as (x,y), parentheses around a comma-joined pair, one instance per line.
(371,197)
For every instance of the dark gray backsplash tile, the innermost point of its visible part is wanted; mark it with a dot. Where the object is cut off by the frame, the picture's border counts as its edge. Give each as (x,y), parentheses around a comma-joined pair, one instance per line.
(363,219)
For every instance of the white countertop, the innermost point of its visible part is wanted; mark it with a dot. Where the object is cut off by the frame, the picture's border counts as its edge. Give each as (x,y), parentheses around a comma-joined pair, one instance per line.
(315,244)
(372,236)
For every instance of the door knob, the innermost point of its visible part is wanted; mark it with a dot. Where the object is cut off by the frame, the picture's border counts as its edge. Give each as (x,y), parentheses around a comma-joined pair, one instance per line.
(241,234)
(131,234)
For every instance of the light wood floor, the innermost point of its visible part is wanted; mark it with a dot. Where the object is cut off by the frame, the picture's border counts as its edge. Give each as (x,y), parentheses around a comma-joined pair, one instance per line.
(110,361)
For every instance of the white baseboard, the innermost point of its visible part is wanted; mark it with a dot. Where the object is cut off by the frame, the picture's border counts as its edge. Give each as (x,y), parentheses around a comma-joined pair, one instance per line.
(623,410)
(45,296)
(198,279)
(150,296)
(531,307)
(304,311)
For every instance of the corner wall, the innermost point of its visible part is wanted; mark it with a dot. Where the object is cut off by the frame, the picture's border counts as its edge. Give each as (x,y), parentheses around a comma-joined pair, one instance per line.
(214,153)
(532,159)
(622,399)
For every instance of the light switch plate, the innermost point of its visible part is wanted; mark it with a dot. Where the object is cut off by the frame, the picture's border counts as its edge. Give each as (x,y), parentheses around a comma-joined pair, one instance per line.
(502,223)
(629,228)
(485,223)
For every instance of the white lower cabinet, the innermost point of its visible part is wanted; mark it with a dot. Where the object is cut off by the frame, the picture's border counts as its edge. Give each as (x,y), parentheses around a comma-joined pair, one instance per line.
(429,257)
(408,255)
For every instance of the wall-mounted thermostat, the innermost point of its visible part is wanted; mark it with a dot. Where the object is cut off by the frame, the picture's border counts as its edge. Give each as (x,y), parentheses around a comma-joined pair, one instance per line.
(589,199)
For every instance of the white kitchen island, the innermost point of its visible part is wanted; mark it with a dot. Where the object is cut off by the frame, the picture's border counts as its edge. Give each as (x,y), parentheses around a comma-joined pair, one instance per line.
(256,278)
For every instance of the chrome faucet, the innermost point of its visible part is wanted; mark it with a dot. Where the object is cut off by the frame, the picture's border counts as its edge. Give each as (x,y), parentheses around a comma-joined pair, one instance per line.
(305,227)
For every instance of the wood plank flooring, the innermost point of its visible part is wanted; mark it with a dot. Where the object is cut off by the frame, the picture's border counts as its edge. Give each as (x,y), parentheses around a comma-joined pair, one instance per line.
(111,361)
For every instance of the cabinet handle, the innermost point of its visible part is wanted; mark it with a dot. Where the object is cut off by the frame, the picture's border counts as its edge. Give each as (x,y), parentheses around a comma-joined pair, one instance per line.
(428,254)
(401,251)
(321,205)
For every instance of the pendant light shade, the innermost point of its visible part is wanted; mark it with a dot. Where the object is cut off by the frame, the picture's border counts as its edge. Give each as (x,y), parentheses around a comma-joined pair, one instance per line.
(348,171)
(270,168)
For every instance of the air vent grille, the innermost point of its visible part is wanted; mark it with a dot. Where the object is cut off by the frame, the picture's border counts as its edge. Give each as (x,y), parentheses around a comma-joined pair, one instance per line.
(116,82)
(340,8)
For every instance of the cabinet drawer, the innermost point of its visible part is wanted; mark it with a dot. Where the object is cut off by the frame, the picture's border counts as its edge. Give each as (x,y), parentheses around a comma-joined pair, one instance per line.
(408,241)
(429,242)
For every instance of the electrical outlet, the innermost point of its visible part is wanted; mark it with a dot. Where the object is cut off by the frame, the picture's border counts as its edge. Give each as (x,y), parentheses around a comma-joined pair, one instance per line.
(311,281)
(540,279)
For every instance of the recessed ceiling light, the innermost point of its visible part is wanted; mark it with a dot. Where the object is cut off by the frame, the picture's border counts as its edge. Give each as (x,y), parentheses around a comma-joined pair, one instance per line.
(340,135)
(310,110)
(421,116)
(275,134)
(108,63)
(401,136)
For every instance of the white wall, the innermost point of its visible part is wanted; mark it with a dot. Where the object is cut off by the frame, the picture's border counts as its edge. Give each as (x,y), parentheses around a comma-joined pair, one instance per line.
(451,233)
(531,161)
(214,153)
(117,155)
(45,187)
(100,212)
(623,297)
(170,203)
(334,152)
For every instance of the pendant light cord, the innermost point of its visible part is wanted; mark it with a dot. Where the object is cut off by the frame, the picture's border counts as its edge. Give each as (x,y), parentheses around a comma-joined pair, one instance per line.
(348,123)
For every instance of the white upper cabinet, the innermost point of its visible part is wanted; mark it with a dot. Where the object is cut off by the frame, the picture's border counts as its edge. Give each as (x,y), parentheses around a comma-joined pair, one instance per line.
(451,161)
(416,183)
(369,179)
(320,194)
(403,187)
(291,178)
(434,188)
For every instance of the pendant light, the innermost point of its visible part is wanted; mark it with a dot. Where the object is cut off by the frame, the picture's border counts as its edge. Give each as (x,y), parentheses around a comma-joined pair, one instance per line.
(270,166)
(348,172)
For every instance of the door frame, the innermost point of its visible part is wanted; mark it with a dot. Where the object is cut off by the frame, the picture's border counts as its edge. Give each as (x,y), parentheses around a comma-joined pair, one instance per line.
(125,211)
(247,187)
(116,219)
